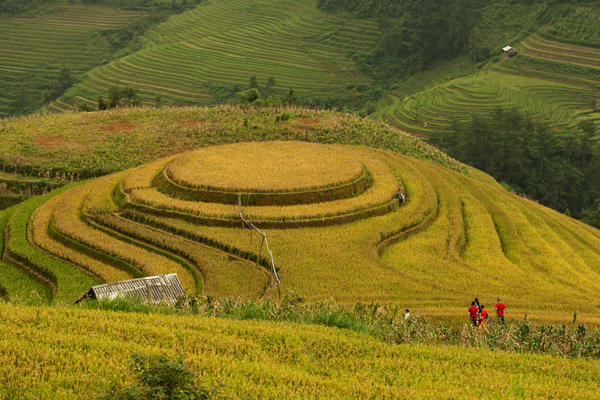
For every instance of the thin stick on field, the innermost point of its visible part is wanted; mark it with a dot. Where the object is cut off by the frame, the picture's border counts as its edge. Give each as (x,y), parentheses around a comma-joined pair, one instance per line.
(265,240)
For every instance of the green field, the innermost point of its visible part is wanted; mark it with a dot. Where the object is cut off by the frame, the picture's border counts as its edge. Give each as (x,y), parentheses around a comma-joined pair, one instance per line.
(561,105)
(226,43)
(35,49)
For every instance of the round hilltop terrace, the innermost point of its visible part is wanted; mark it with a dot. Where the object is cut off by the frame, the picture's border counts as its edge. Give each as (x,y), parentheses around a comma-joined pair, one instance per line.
(279,184)
(332,224)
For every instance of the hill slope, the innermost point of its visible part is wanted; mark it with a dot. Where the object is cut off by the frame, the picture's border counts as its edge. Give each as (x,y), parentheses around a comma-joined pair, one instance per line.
(459,237)
(34,50)
(50,352)
(225,43)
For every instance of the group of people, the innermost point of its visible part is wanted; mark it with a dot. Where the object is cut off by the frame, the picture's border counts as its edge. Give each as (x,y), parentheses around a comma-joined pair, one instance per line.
(479,315)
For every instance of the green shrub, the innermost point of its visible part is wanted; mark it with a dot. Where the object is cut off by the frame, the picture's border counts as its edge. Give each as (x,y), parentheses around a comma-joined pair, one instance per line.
(161,378)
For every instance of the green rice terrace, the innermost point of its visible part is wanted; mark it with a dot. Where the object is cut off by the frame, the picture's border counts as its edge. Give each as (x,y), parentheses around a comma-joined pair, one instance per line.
(35,49)
(228,42)
(554,78)
(562,101)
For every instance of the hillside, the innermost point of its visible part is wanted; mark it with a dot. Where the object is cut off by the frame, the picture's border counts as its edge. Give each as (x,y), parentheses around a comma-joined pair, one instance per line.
(35,50)
(199,56)
(460,236)
(540,82)
(40,153)
(71,353)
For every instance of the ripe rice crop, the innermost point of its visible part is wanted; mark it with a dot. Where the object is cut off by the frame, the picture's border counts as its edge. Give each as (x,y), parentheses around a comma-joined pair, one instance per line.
(265,360)
(260,167)
(41,222)
(142,177)
(101,200)
(67,221)
(384,186)
(221,275)
(459,236)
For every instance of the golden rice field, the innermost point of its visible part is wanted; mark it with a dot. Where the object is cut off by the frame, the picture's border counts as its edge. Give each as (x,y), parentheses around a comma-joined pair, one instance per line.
(252,167)
(459,236)
(51,352)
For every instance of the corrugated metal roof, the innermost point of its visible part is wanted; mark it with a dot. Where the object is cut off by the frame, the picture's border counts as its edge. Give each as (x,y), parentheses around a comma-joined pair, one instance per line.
(165,288)
(507,48)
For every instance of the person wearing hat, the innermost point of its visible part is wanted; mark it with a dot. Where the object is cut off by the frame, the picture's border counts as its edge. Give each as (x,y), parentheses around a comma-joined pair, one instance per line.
(500,306)
(406,314)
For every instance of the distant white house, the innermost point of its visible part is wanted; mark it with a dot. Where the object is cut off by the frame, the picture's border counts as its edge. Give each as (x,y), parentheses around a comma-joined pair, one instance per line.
(510,51)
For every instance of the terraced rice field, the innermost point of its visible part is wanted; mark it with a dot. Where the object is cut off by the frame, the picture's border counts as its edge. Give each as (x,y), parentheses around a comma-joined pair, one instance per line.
(38,48)
(227,42)
(457,238)
(561,105)
(535,46)
(266,360)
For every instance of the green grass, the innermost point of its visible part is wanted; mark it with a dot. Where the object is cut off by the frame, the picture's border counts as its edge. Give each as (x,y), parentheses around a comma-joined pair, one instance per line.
(88,145)
(14,283)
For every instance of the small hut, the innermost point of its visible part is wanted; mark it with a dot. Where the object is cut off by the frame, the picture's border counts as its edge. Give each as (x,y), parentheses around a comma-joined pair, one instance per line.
(103,62)
(165,288)
(510,51)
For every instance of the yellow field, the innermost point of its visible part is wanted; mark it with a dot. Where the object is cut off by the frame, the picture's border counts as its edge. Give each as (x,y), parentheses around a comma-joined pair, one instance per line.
(384,186)
(457,238)
(257,167)
(50,353)
(67,221)
(41,222)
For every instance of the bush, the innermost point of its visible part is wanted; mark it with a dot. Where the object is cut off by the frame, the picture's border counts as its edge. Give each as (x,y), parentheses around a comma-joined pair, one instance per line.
(159,378)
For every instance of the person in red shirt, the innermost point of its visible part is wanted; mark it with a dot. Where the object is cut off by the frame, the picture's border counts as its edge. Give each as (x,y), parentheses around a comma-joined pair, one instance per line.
(500,307)
(483,316)
(473,311)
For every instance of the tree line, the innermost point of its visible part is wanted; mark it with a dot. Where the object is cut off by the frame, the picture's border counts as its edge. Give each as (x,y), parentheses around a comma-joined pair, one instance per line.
(561,171)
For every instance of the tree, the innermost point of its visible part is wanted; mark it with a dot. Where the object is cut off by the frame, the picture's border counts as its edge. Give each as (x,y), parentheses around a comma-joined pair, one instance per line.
(114,96)
(475,40)
(21,101)
(248,96)
(585,139)
(160,378)
(253,82)
(593,217)
(157,100)
(290,98)
(102,104)
(127,96)
(354,96)
(271,82)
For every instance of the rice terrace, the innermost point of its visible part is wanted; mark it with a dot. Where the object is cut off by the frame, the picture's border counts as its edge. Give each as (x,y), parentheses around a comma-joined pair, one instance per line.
(209,199)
